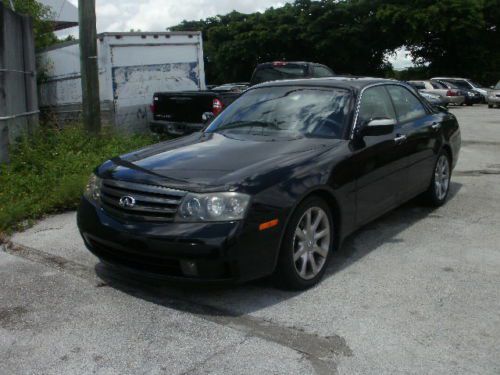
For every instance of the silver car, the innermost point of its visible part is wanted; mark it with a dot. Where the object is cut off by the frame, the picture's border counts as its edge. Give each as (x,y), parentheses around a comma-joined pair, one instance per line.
(493,98)
(466,84)
(449,96)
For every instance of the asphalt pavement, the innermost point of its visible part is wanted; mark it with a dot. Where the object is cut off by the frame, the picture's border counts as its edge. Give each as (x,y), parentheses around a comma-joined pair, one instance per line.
(415,292)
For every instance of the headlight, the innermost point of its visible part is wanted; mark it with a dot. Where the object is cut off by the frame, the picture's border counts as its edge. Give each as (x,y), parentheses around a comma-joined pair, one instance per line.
(213,207)
(93,188)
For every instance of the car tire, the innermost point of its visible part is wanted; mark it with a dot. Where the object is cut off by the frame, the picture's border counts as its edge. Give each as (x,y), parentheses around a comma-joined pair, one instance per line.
(439,188)
(490,105)
(304,255)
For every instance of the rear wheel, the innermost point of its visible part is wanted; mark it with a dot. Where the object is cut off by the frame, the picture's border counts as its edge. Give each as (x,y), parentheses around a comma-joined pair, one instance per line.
(306,246)
(440,185)
(490,105)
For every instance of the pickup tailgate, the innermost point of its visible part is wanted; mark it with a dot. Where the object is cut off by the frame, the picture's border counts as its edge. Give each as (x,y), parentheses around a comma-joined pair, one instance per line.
(186,106)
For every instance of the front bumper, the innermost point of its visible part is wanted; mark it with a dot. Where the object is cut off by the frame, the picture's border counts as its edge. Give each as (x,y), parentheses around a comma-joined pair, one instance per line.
(476,99)
(175,128)
(493,100)
(230,251)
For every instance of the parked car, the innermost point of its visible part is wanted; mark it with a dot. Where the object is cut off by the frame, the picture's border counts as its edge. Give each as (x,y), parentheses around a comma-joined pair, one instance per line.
(434,99)
(494,96)
(449,96)
(273,185)
(178,113)
(471,97)
(467,85)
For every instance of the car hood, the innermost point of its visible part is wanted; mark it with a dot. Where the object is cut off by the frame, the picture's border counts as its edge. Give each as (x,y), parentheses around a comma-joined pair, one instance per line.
(207,161)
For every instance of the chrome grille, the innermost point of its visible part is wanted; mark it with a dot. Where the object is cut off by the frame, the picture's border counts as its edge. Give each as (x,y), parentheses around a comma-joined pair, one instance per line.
(152,203)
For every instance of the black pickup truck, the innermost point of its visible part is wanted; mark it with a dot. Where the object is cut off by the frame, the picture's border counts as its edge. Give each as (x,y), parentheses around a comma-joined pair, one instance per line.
(178,113)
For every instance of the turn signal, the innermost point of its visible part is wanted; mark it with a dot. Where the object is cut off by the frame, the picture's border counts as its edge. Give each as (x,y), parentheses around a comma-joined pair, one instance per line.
(268,224)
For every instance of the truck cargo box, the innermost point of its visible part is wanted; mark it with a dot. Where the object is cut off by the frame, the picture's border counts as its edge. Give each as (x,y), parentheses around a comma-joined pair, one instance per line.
(132,67)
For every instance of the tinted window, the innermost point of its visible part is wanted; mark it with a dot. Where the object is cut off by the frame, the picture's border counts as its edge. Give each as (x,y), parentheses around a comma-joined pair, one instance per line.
(408,107)
(321,71)
(418,85)
(286,112)
(461,84)
(438,85)
(375,104)
(278,72)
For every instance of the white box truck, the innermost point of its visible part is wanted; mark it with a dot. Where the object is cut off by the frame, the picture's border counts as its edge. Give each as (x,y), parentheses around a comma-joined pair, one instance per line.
(132,67)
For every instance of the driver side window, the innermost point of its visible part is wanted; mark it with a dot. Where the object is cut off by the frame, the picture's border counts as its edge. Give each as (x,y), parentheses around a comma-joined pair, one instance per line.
(375,104)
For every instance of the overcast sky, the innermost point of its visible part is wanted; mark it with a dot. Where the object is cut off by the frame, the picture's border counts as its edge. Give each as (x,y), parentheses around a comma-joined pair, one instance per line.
(157,15)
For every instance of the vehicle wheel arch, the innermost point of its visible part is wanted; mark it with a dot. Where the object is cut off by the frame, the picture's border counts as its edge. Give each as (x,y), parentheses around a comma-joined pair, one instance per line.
(327,194)
(446,148)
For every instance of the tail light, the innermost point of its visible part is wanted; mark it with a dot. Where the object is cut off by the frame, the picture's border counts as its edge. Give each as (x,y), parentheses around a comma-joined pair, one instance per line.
(279,63)
(451,93)
(153,106)
(217,107)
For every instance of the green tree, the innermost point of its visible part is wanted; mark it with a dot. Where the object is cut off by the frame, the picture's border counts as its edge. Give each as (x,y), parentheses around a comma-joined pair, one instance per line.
(451,37)
(459,37)
(42,29)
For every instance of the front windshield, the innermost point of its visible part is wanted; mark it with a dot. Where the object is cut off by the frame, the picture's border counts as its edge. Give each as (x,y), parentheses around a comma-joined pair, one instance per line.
(497,87)
(286,112)
(477,85)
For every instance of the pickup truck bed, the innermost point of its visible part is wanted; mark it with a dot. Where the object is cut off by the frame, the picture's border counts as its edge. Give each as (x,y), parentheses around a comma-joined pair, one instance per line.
(178,113)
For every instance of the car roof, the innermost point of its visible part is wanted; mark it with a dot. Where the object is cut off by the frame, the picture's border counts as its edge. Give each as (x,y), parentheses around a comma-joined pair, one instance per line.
(353,83)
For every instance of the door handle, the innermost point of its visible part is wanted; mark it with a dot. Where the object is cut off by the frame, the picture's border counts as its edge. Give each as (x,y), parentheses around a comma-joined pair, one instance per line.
(436,126)
(400,138)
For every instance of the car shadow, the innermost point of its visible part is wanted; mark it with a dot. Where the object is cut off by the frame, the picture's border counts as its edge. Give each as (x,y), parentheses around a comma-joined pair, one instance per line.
(235,300)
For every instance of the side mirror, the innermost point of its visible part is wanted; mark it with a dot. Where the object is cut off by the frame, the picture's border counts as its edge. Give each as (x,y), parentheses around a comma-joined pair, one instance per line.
(207,117)
(378,127)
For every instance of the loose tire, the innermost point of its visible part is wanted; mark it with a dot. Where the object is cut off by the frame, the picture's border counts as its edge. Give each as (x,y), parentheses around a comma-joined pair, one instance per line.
(440,185)
(307,245)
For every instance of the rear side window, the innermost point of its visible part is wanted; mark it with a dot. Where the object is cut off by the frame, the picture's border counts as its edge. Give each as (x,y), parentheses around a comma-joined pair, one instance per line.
(418,85)
(438,85)
(461,84)
(408,107)
(321,71)
(278,72)
(375,104)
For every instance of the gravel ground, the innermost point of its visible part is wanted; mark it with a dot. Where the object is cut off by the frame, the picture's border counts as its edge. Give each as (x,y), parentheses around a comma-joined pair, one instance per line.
(414,292)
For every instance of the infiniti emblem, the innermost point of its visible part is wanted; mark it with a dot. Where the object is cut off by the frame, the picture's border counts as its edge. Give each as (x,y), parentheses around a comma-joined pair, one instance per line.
(127,201)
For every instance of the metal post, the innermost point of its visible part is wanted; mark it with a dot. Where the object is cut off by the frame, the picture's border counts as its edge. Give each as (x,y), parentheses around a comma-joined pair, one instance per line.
(89,69)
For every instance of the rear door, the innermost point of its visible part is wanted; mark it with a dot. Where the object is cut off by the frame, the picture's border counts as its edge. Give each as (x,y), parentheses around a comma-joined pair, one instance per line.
(422,130)
(378,162)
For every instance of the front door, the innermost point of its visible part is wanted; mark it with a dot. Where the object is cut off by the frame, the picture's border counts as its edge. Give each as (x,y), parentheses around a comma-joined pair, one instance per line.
(378,162)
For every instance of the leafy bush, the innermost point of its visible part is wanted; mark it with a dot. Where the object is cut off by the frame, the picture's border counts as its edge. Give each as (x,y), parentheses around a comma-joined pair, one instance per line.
(49,170)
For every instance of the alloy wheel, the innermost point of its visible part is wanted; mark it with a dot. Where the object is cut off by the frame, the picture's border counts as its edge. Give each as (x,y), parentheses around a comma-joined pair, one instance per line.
(442,177)
(311,242)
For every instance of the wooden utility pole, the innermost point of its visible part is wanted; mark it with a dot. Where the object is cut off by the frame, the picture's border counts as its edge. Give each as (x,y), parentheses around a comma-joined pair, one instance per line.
(88,66)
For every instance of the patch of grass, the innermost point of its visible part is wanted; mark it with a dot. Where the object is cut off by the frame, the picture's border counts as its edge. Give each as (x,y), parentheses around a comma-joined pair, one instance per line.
(49,170)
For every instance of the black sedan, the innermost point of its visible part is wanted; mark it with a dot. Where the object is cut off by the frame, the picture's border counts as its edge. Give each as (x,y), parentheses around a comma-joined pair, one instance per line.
(273,185)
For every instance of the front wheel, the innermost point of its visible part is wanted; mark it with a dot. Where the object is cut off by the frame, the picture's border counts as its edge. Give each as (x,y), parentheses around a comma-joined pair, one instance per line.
(307,245)
(440,185)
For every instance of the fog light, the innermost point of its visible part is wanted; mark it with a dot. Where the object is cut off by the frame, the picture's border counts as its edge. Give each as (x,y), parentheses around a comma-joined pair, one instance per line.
(189,268)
